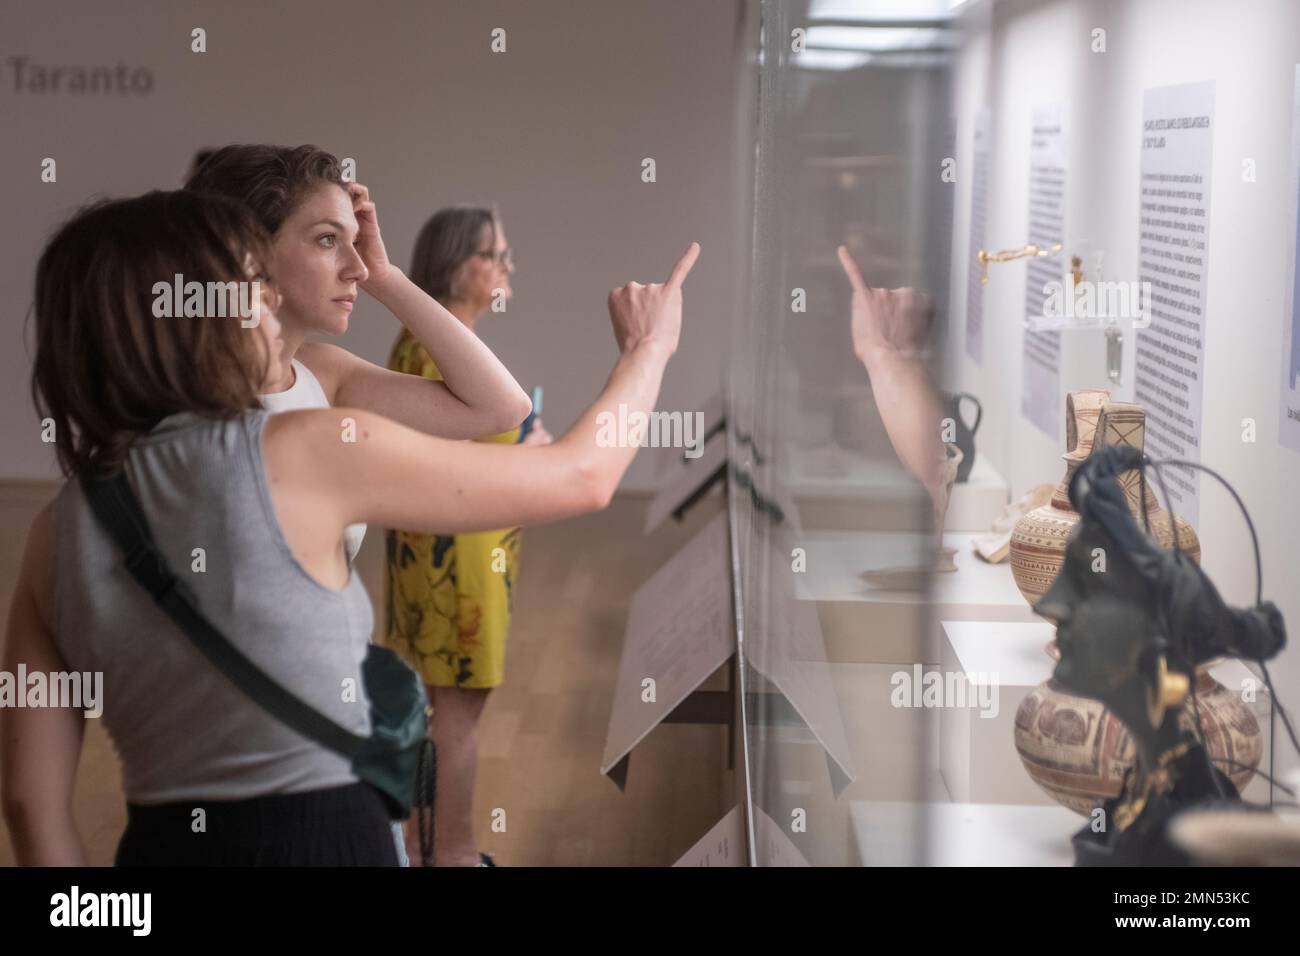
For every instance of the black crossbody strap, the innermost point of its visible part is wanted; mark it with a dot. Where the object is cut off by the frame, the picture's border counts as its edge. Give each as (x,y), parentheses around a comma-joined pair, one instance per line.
(119,513)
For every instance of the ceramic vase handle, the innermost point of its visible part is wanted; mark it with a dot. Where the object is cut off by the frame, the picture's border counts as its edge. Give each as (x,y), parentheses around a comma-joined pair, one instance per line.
(979,410)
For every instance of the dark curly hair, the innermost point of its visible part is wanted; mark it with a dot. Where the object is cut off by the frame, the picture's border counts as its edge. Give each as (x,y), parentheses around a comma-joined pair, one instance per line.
(270,180)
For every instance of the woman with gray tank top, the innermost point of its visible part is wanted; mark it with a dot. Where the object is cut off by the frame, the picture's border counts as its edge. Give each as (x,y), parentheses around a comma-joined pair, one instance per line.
(325,245)
(254,506)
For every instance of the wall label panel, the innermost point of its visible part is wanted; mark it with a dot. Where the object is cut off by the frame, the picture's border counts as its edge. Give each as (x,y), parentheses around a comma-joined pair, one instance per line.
(1173,255)
(1040,391)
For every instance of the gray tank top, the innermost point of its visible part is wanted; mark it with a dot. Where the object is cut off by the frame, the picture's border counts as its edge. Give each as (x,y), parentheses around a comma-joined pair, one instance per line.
(181,729)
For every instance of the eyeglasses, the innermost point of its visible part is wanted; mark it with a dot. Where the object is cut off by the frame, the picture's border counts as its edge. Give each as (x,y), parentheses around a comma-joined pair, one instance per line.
(505,258)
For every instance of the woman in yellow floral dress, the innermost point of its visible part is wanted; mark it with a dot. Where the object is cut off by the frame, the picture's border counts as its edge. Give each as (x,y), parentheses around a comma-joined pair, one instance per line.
(448,597)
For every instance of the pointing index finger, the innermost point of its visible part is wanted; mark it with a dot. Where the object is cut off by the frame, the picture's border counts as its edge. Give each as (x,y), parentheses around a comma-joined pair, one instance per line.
(851,269)
(684,266)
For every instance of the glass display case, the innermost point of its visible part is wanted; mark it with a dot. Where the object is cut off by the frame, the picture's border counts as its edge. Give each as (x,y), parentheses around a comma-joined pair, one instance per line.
(896,696)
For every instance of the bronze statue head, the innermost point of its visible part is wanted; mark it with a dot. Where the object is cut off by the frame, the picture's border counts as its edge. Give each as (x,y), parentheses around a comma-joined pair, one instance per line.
(1111,635)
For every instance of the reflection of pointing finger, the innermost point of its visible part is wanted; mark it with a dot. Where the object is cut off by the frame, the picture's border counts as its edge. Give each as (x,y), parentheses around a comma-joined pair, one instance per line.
(851,270)
(684,266)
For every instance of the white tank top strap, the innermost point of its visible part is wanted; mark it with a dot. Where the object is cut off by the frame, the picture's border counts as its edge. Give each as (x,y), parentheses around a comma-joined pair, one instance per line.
(305,392)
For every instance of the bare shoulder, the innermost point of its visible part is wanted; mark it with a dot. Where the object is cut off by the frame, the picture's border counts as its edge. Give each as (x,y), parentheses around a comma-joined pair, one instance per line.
(323,467)
(292,436)
(310,441)
(329,363)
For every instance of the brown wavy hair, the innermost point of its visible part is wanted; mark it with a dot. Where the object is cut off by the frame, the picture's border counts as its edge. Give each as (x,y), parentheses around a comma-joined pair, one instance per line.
(449,238)
(106,370)
(270,180)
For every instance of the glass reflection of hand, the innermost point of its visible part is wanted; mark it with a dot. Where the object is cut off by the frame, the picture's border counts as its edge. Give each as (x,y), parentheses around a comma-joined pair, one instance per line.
(885,319)
(889,328)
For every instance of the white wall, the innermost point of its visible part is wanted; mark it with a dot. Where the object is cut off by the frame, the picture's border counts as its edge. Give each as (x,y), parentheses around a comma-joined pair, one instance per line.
(553,130)
(1039,53)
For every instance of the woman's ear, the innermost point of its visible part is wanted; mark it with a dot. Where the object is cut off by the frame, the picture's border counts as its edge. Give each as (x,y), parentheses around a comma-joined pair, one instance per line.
(456,287)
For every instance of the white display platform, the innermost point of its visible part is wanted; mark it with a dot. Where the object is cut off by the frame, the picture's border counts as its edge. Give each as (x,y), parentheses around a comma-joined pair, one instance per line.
(962,834)
(868,624)
(838,490)
(977,754)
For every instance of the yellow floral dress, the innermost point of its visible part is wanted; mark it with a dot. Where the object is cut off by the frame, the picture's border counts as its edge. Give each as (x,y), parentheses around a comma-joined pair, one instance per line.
(448,597)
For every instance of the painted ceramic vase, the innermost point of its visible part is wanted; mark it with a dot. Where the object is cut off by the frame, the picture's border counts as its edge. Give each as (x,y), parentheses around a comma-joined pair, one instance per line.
(1039,537)
(1077,751)
(1073,747)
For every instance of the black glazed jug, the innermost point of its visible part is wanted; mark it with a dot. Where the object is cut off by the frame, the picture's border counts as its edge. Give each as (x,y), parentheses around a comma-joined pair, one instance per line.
(965,434)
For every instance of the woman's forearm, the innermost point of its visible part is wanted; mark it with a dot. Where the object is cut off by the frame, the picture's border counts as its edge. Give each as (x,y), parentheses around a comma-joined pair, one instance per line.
(44,837)
(469,369)
(403,479)
(910,408)
(597,436)
(427,484)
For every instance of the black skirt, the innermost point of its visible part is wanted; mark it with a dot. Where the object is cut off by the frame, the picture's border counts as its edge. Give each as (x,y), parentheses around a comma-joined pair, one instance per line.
(340,826)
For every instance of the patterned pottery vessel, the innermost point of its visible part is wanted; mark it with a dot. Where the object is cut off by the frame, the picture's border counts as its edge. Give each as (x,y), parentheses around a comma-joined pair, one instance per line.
(1073,747)
(1077,751)
(1039,537)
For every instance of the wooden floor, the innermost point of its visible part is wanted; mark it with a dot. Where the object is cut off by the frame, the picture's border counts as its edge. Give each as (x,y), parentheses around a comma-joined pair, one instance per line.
(543,731)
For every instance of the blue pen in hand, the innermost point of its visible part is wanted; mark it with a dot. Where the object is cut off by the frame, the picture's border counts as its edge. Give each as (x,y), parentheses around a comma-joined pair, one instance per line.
(527,426)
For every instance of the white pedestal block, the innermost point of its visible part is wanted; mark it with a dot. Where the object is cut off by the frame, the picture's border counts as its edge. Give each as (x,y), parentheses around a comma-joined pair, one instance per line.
(962,834)
(978,501)
(998,663)
(837,490)
(868,624)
